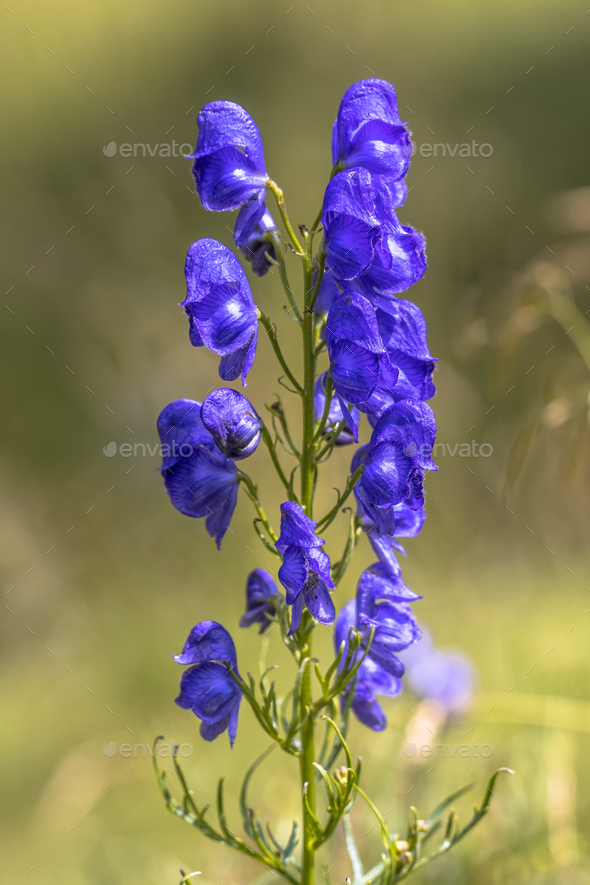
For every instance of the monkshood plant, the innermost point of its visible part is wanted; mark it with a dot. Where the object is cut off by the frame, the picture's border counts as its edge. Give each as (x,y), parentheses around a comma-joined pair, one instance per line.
(364,351)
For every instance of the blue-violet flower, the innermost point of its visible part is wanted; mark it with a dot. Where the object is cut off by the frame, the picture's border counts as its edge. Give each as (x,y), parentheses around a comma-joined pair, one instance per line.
(445,677)
(229,165)
(305,572)
(368,130)
(207,687)
(233,423)
(364,240)
(261,593)
(371,679)
(250,239)
(395,461)
(200,481)
(220,307)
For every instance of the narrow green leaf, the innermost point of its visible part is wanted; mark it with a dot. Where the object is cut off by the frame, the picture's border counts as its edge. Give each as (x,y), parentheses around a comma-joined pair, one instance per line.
(244,791)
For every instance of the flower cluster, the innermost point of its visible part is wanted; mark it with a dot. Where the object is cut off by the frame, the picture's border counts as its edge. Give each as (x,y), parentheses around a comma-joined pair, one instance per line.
(364,353)
(379,365)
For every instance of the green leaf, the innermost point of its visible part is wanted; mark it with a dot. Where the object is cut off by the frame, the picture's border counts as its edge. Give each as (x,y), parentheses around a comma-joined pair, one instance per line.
(244,791)
(440,809)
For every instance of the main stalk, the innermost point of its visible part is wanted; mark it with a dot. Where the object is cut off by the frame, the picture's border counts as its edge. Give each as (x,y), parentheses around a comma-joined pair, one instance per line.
(307,758)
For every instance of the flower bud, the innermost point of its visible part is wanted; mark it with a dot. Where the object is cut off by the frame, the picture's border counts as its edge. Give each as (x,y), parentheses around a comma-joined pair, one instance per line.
(402,845)
(341,775)
(233,423)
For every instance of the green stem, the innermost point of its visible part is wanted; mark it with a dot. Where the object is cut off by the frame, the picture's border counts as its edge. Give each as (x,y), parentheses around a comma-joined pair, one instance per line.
(350,484)
(308,469)
(307,770)
(327,404)
(270,331)
(273,454)
(252,492)
(271,185)
(274,238)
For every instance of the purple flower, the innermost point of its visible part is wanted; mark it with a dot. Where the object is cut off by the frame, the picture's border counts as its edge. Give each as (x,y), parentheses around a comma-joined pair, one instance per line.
(382,602)
(305,572)
(382,606)
(335,415)
(368,131)
(445,677)
(403,332)
(371,680)
(207,687)
(359,364)
(261,595)
(395,461)
(233,423)
(328,292)
(364,240)
(229,165)
(403,523)
(220,307)
(199,480)
(249,237)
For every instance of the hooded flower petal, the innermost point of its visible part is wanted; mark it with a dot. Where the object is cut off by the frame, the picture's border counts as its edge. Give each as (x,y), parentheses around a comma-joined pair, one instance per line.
(233,422)
(220,307)
(229,165)
(372,680)
(355,371)
(252,224)
(352,318)
(297,529)
(378,583)
(305,572)
(207,687)
(261,590)
(239,362)
(226,319)
(207,641)
(204,485)
(399,261)
(358,362)
(180,427)
(210,692)
(328,292)
(351,227)
(369,132)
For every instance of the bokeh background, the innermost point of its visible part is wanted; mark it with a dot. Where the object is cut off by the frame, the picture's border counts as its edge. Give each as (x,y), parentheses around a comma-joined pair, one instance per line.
(102,579)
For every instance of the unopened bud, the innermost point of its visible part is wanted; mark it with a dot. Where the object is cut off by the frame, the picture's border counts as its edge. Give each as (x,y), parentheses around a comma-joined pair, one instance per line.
(401,845)
(342,775)
(422,826)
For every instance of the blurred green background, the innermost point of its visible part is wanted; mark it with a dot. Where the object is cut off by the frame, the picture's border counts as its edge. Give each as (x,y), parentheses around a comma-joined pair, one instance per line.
(93,345)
